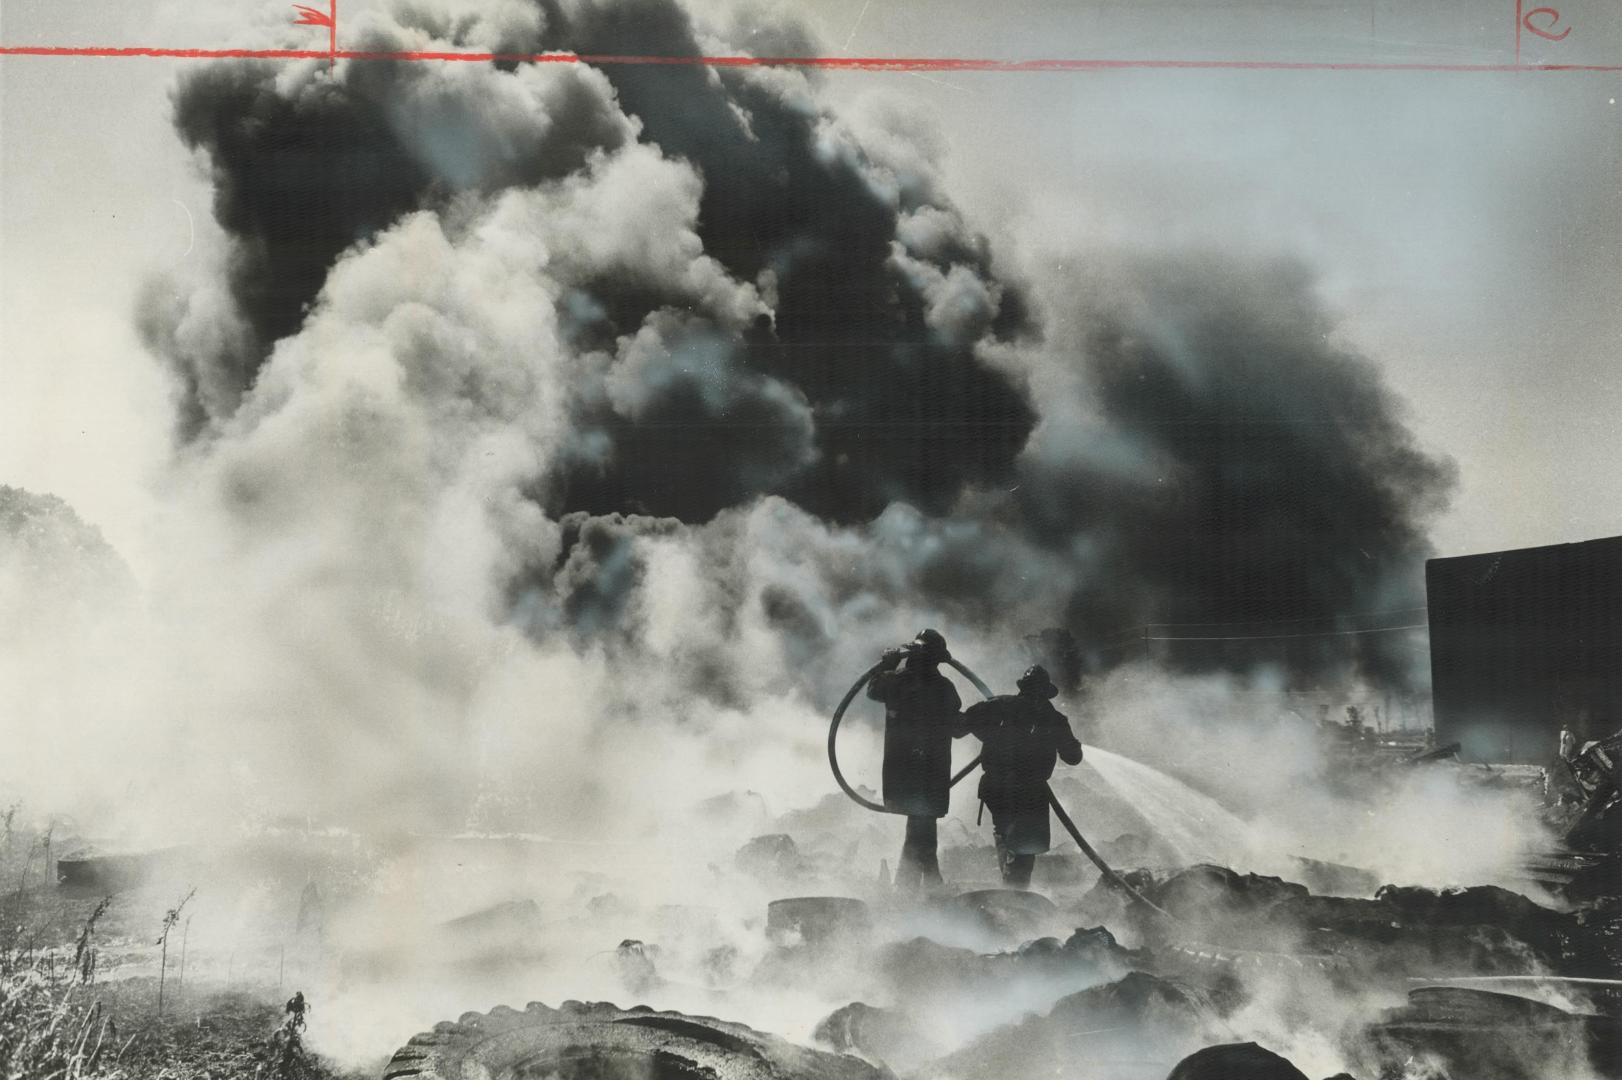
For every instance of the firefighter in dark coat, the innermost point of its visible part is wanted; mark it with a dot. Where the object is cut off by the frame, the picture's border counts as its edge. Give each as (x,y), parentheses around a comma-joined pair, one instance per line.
(1021,734)
(922,715)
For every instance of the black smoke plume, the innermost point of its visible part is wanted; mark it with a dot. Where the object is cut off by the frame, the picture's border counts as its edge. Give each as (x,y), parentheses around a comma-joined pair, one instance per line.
(879,345)
(822,349)
(1248,485)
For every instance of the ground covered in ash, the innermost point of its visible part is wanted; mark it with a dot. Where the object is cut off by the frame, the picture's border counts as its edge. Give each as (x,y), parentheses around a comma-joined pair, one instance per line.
(114,1030)
(779,948)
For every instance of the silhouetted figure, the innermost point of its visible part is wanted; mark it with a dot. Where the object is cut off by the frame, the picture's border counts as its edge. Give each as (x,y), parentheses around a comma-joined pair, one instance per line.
(312,911)
(922,715)
(1021,735)
(296,1009)
(636,966)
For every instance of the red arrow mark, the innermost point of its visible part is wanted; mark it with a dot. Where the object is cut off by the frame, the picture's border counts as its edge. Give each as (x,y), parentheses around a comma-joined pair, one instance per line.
(309,16)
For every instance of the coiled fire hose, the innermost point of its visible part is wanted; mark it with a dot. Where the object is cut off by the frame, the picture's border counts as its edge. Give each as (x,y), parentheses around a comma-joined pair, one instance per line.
(1104,868)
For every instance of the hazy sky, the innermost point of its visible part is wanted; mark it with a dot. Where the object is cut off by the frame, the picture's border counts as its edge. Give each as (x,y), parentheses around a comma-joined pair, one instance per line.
(1465,225)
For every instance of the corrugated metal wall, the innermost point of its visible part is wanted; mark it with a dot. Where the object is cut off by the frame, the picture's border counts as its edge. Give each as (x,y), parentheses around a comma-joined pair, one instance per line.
(1523,643)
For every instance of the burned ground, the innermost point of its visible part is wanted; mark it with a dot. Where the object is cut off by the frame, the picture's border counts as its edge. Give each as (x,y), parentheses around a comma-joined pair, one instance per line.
(977,983)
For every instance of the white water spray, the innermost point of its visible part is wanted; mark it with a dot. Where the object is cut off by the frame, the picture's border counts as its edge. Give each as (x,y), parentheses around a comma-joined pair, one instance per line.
(1195,826)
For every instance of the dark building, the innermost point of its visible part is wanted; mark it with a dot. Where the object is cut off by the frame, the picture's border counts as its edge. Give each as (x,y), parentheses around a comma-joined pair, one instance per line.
(1524,643)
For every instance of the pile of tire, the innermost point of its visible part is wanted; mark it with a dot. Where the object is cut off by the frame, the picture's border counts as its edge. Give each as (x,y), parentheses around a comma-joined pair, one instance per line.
(596,1041)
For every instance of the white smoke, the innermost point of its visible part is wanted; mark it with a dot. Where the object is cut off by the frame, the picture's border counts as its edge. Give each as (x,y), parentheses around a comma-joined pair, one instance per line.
(1306,792)
(362,613)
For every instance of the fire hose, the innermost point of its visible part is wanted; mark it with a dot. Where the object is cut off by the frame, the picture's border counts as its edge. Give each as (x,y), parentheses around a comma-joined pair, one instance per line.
(1104,868)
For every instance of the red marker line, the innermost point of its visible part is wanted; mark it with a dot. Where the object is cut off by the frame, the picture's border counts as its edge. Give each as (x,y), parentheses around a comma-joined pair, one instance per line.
(849,63)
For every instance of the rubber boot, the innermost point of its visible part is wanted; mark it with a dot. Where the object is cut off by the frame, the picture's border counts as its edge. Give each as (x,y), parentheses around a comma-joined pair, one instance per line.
(1015,869)
(919,868)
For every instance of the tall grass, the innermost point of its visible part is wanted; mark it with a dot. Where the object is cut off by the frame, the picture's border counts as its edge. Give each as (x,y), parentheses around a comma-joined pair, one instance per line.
(84,949)
(170,918)
(50,1031)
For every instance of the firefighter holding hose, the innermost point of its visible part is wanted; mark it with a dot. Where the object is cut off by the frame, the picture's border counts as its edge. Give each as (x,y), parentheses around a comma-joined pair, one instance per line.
(1021,735)
(922,715)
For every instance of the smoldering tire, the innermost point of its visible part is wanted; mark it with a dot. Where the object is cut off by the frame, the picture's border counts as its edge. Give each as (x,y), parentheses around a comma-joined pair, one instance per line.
(600,1041)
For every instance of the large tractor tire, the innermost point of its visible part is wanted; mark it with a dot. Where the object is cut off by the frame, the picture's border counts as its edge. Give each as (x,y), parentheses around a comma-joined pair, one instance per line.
(596,1041)
(1012,915)
(1491,1036)
(817,921)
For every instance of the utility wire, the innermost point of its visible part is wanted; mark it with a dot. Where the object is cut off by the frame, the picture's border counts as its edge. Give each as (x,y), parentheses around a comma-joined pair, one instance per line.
(1285,637)
(1136,632)
(1300,619)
